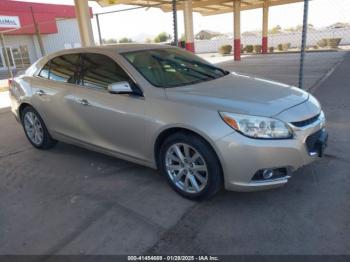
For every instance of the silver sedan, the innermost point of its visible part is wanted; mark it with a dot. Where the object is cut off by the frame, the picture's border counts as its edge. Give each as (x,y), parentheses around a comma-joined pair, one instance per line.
(204,128)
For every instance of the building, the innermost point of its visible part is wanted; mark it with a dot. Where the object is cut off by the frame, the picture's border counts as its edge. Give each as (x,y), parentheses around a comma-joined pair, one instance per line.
(206,35)
(57,25)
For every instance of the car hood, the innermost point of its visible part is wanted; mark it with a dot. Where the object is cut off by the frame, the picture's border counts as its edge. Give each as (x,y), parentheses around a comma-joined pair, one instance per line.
(240,94)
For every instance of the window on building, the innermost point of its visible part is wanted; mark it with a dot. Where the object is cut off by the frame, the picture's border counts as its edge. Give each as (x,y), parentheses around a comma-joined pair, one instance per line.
(9,55)
(25,55)
(99,71)
(64,68)
(21,56)
(17,57)
(1,62)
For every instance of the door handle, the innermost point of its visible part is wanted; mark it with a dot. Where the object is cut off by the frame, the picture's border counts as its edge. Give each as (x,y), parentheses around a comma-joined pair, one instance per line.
(83,102)
(40,93)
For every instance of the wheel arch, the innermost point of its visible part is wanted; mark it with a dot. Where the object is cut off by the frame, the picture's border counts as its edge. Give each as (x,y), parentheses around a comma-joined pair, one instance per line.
(22,107)
(172,130)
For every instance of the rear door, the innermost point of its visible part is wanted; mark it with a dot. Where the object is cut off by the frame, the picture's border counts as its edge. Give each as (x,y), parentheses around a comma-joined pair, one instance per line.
(58,78)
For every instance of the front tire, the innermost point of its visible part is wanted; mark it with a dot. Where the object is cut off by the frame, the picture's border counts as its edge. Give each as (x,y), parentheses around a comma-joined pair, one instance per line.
(191,166)
(35,129)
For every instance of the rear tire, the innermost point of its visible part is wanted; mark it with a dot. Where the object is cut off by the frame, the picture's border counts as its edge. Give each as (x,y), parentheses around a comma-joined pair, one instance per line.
(191,166)
(35,129)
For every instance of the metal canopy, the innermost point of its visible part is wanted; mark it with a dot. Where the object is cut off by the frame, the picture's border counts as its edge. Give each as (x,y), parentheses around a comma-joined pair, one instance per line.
(204,7)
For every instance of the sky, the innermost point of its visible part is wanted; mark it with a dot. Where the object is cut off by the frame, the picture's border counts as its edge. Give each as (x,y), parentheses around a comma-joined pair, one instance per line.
(150,22)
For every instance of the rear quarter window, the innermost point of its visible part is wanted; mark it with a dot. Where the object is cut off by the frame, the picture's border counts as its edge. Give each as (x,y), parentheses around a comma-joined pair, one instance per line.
(44,72)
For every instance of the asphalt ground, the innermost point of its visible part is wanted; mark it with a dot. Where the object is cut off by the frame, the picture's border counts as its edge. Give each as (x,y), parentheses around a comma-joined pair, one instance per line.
(285,67)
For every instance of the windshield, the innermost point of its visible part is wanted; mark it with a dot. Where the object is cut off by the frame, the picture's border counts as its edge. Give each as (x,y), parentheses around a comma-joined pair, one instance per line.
(171,67)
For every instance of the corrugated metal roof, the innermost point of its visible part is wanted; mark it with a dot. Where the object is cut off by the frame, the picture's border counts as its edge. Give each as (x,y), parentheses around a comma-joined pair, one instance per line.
(205,7)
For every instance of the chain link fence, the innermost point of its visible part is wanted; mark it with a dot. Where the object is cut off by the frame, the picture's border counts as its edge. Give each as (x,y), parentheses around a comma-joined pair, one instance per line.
(325,38)
(334,35)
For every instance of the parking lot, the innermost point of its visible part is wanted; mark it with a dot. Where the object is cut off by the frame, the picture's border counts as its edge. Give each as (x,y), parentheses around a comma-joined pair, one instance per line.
(72,201)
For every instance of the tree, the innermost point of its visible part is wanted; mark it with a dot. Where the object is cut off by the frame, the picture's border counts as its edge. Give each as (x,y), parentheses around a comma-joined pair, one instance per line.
(162,37)
(299,28)
(110,41)
(125,40)
(276,30)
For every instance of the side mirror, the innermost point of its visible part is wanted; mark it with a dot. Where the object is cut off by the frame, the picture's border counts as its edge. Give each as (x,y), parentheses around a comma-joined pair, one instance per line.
(120,88)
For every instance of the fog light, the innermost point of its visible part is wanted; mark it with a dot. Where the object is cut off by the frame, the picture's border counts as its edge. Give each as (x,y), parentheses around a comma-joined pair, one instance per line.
(270,174)
(267,173)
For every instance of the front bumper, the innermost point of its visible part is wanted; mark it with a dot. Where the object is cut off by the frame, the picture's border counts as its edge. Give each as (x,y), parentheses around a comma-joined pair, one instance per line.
(243,157)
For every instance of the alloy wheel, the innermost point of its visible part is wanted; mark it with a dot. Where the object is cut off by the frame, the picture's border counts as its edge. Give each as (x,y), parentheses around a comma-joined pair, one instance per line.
(33,128)
(186,168)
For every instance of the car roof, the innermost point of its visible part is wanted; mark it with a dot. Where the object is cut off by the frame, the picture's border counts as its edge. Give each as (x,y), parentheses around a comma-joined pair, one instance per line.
(119,48)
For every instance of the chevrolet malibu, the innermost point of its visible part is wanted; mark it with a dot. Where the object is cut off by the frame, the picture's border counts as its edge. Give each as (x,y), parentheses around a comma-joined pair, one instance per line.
(204,128)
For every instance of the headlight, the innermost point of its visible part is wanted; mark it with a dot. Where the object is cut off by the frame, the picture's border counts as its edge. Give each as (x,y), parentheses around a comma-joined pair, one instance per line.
(257,127)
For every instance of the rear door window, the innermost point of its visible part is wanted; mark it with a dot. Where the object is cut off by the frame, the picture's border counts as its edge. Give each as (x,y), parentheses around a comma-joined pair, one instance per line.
(64,69)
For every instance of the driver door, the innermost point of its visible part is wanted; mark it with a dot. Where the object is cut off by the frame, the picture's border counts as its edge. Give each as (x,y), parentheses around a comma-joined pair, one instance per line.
(112,122)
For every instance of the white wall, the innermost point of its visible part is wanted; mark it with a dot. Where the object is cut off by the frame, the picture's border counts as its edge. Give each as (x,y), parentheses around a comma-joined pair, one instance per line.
(67,37)
(211,46)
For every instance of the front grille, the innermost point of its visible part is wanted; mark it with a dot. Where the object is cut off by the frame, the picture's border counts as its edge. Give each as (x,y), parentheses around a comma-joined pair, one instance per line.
(306,122)
(311,141)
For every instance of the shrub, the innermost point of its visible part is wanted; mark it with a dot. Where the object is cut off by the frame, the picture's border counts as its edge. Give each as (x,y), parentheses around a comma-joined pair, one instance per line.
(225,49)
(280,47)
(249,48)
(257,49)
(322,43)
(286,46)
(333,42)
(182,44)
(271,49)
(125,40)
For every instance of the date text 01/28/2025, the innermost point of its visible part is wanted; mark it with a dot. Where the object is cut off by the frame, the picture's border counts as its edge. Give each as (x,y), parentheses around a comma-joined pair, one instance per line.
(173,258)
